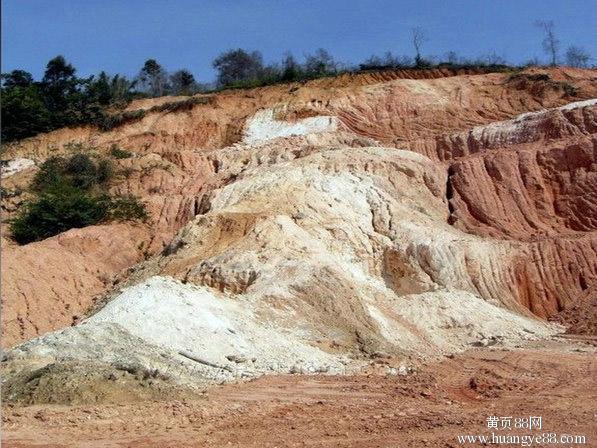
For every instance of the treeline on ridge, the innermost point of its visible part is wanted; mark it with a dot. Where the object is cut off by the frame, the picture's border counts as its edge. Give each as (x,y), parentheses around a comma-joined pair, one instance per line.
(62,99)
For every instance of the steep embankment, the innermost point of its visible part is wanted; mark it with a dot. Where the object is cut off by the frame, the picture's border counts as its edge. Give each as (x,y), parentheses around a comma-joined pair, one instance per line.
(289,233)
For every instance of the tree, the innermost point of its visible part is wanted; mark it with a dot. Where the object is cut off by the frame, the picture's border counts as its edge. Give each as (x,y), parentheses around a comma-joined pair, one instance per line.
(60,89)
(577,57)
(550,42)
(24,112)
(153,78)
(99,89)
(491,59)
(59,99)
(291,70)
(419,37)
(320,64)
(452,58)
(238,65)
(17,78)
(59,72)
(388,60)
(121,88)
(182,82)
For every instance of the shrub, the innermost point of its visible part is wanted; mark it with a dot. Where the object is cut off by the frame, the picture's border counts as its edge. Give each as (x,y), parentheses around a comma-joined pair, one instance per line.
(79,171)
(104,171)
(569,89)
(178,106)
(118,153)
(70,193)
(49,175)
(538,81)
(127,208)
(107,122)
(54,212)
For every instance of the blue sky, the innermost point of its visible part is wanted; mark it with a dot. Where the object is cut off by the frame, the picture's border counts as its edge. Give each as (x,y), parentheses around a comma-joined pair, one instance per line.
(118,35)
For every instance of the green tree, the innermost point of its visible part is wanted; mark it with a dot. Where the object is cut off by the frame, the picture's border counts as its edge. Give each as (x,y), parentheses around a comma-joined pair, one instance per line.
(291,69)
(182,82)
(238,65)
(320,64)
(121,89)
(99,89)
(24,112)
(60,91)
(17,78)
(153,78)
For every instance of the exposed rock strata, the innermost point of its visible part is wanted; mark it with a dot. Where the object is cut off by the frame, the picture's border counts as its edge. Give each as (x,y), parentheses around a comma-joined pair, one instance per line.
(372,248)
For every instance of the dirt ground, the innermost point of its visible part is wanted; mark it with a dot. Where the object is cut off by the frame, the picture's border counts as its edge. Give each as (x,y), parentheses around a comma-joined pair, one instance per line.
(430,407)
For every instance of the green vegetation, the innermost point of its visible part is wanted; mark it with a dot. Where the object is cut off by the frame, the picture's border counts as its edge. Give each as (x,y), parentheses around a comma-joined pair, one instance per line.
(63,99)
(241,69)
(57,211)
(127,208)
(107,121)
(60,99)
(71,193)
(178,106)
(111,121)
(119,153)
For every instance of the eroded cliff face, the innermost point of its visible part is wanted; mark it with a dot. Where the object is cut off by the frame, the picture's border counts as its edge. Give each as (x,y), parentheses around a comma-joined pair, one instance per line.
(301,225)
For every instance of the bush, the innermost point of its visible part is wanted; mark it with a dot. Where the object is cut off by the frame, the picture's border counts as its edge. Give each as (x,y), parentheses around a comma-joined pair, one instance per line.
(179,106)
(107,122)
(78,171)
(81,170)
(104,171)
(118,153)
(538,81)
(50,174)
(71,194)
(127,208)
(61,209)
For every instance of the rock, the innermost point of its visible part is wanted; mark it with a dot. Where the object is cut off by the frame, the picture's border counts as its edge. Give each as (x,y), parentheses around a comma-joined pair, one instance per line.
(238,359)
(403,370)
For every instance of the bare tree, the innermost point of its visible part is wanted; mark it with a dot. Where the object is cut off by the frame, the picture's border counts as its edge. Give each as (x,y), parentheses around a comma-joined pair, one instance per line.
(492,59)
(577,57)
(419,37)
(452,58)
(532,62)
(550,41)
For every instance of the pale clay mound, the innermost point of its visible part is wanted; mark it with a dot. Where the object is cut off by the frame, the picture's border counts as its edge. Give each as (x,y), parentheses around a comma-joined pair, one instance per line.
(306,265)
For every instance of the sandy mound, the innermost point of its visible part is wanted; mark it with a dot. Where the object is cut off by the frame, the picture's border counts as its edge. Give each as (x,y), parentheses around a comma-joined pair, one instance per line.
(309,264)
